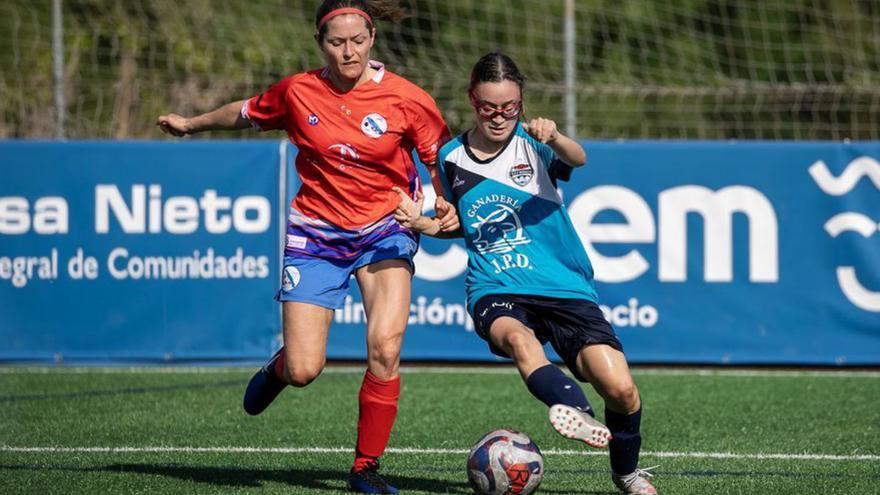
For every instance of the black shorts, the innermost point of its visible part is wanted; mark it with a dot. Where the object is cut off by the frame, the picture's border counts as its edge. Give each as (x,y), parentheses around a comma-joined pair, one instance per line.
(568,324)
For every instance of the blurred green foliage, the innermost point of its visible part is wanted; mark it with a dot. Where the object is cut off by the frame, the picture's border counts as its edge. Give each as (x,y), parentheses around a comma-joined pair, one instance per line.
(707,69)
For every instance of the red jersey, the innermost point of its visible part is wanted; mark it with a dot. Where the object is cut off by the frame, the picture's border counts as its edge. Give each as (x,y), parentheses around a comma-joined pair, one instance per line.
(352,147)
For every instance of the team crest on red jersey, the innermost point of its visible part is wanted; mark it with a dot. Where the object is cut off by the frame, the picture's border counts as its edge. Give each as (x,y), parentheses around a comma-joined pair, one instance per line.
(374,125)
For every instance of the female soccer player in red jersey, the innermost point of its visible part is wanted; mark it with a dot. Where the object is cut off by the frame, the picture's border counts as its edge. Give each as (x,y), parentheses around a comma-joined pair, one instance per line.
(355,125)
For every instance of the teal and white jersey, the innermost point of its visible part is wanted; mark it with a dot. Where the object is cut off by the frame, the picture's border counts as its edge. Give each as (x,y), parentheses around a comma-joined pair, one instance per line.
(519,237)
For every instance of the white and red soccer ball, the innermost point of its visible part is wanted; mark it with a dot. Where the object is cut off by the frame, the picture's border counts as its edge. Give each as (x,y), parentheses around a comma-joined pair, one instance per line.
(505,462)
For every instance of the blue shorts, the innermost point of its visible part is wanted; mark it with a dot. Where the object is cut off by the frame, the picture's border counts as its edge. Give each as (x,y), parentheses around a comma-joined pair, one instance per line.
(324,281)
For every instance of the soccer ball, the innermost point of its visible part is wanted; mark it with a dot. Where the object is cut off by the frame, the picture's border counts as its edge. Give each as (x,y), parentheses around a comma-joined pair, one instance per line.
(505,462)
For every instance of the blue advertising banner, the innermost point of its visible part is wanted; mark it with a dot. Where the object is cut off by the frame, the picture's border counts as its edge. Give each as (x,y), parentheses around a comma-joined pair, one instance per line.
(704,252)
(138,251)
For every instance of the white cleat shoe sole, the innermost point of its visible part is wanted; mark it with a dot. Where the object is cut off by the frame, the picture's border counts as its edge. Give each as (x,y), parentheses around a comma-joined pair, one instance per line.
(571,423)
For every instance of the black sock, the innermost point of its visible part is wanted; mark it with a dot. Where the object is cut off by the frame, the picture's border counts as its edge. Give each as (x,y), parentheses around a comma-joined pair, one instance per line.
(624,447)
(551,386)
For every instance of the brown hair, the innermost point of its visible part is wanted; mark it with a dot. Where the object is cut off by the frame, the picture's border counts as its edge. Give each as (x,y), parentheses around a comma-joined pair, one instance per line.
(496,67)
(386,10)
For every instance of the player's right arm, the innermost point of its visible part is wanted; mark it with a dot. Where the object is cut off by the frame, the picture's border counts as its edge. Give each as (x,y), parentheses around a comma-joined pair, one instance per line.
(226,118)
(265,111)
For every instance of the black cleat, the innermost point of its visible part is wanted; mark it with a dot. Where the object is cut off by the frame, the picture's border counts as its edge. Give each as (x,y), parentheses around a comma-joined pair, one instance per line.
(367,480)
(263,387)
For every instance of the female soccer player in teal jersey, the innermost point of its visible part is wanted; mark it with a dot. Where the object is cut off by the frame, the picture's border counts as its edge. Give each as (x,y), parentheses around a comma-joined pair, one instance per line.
(529,280)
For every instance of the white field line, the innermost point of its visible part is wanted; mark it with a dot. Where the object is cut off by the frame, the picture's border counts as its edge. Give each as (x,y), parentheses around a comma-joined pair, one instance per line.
(407,450)
(451,370)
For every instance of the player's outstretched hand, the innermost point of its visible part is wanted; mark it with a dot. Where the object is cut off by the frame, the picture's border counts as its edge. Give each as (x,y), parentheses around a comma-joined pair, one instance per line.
(174,124)
(408,210)
(447,214)
(544,130)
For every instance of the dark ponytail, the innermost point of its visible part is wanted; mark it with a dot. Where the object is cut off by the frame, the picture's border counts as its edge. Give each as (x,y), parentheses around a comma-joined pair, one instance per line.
(385,10)
(496,67)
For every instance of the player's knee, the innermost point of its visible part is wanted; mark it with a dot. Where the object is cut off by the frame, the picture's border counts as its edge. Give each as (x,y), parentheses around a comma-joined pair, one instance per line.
(519,344)
(386,354)
(301,378)
(624,396)
(302,374)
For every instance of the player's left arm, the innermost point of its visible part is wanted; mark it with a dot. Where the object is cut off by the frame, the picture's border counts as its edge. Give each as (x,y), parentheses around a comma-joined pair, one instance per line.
(428,131)
(446,213)
(409,215)
(567,149)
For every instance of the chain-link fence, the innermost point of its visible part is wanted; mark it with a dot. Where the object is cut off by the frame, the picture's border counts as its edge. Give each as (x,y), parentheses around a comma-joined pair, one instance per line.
(703,69)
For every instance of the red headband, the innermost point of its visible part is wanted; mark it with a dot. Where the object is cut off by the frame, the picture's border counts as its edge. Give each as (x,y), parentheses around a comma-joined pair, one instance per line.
(345,10)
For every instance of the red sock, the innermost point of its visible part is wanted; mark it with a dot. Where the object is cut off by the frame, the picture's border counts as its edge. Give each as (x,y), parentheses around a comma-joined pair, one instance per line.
(279,366)
(378,408)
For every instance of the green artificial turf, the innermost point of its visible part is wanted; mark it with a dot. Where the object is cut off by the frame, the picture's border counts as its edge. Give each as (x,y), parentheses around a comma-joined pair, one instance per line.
(182,431)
